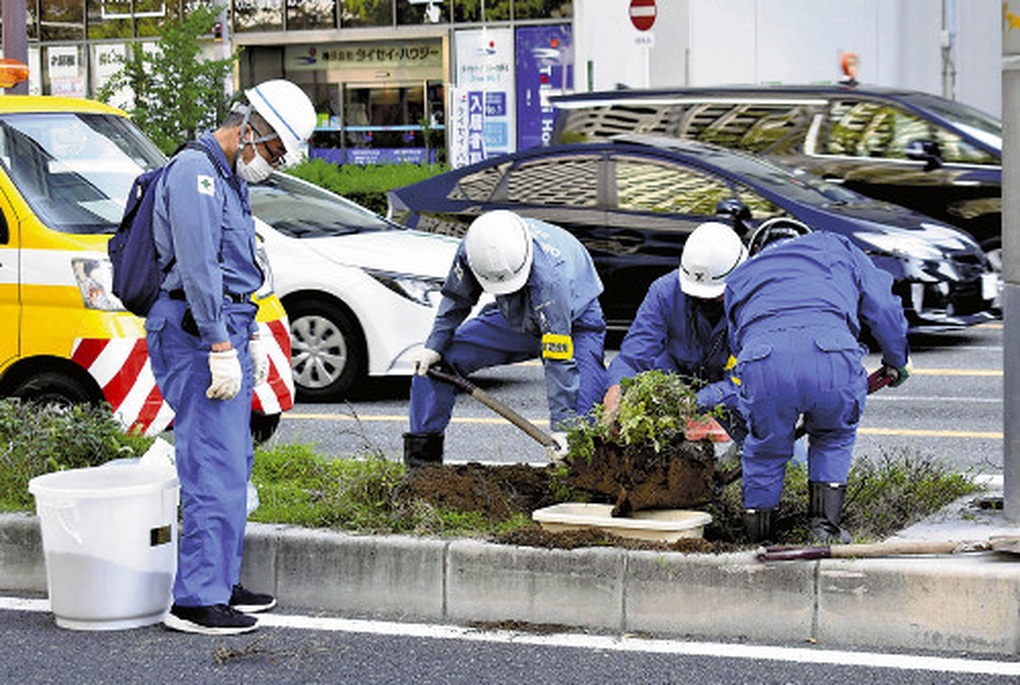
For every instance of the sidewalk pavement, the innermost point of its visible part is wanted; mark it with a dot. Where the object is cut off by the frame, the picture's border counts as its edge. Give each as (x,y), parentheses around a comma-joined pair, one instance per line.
(967,602)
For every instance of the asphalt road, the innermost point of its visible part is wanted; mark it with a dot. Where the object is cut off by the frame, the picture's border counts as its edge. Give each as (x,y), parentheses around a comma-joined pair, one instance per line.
(949,409)
(303,650)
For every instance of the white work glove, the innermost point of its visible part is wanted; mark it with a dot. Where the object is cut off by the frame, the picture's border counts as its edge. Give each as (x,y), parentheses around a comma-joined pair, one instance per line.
(259,361)
(424,359)
(557,451)
(226,375)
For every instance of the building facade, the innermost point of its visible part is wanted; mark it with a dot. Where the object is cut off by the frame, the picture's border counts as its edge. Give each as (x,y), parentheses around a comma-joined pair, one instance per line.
(458,80)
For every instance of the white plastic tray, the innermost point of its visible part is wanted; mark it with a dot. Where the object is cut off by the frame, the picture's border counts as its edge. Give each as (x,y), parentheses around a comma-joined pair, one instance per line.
(665,525)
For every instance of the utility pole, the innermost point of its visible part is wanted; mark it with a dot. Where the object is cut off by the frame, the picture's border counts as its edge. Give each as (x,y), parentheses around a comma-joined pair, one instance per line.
(15,37)
(1011,258)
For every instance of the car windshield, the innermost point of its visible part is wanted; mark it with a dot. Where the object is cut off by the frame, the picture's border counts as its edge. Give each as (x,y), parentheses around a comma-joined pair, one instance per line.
(981,125)
(300,209)
(74,169)
(794,184)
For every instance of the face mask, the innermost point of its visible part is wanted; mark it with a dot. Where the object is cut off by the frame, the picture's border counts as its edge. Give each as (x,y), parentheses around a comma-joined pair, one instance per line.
(255,171)
(710,309)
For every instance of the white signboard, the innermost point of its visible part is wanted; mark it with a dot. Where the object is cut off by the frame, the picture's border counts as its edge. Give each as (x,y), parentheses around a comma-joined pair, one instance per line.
(485,79)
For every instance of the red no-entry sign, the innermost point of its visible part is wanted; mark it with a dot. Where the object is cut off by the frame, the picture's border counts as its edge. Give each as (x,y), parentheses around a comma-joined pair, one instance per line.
(642,14)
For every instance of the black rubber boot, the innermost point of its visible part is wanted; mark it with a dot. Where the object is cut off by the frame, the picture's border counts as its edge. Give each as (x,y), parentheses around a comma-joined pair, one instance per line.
(758,525)
(422,448)
(825,507)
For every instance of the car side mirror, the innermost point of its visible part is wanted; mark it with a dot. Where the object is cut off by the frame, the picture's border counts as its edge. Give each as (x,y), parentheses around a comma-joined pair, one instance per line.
(926,151)
(737,212)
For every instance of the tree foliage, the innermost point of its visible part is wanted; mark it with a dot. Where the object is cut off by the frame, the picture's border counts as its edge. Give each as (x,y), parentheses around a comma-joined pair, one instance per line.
(176,91)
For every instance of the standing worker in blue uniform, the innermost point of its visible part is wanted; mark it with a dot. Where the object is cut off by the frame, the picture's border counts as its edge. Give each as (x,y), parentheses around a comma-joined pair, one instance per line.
(204,348)
(680,327)
(546,306)
(795,311)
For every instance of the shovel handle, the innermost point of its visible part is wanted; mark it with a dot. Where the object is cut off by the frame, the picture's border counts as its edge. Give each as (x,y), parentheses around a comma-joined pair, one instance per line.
(466,386)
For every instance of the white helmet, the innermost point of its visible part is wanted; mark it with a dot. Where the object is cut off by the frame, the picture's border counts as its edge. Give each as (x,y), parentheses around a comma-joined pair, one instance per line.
(287,109)
(711,253)
(499,252)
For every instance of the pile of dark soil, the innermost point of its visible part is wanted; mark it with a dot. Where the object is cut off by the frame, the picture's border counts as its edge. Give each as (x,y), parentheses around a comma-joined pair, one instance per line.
(498,492)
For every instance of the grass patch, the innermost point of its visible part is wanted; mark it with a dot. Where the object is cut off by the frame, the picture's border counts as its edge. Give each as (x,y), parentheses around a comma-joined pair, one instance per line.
(365,185)
(35,440)
(884,495)
(300,486)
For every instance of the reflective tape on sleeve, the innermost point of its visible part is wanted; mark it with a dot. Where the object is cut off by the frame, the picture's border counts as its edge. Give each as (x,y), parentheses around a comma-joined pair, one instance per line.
(555,346)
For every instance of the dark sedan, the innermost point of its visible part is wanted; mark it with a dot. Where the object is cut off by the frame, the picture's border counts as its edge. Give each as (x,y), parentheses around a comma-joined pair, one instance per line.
(632,202)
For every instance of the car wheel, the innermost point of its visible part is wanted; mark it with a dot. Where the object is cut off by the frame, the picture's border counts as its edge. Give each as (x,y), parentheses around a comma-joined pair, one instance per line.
(327,354)
(263,426)
(53,389)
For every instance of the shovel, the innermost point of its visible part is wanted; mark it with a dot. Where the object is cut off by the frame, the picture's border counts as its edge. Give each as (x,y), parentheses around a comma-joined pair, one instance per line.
(999,543)
(466,386)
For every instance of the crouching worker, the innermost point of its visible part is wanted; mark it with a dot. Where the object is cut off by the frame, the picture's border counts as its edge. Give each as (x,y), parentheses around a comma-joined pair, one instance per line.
(795,310)
(546,306)
(680,327)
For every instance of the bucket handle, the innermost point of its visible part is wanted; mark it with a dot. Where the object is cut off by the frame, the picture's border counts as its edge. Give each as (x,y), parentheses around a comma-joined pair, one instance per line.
(59,508)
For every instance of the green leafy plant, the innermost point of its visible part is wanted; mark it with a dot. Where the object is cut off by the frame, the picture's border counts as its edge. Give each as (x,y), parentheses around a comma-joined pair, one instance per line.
(35,440)
(655,408)
(366,185)
(177,93)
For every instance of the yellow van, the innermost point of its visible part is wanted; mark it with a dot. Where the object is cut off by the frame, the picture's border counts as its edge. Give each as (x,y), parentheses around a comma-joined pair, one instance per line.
(66,166)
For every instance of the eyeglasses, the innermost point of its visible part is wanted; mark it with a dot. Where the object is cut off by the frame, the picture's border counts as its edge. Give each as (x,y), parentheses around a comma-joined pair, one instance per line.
(277,153)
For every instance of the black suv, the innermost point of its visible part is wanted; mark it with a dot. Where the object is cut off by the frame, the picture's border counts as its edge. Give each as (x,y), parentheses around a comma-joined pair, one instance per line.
(936,156)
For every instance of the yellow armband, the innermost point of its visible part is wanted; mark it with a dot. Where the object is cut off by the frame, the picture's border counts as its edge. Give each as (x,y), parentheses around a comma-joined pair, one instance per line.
(558,347)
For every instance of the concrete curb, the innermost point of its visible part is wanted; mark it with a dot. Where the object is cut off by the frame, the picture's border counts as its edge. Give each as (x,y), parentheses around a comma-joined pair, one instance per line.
(969,602)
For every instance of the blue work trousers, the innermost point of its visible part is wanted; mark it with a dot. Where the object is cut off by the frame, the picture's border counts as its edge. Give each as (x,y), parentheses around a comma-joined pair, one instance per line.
(787,374)
(488,340)
(213,450)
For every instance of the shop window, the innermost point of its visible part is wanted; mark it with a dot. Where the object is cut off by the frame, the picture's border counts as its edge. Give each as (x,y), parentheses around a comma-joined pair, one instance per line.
(258,15)
(646,186)
(470,11)
(153,16)
(310,14)
(32,19)
(64,70)
(109,19)
(357,13)
(423,12)
(542,9)
(63,20)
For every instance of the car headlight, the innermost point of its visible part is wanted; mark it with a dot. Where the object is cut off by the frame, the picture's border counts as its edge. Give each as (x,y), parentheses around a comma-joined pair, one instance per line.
(95,282)
(901,245)
(421,290)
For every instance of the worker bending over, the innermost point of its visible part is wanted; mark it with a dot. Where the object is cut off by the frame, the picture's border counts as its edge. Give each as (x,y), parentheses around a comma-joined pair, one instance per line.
(546,306)
(680,327)
(794,311)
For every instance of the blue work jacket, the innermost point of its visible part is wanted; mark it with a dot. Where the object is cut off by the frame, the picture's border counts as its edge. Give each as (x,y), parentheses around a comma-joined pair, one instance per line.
(819,281)
(202,217)
(561,287)
(670,333)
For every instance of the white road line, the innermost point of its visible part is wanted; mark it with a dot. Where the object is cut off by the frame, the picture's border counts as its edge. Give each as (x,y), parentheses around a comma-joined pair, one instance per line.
(623,643)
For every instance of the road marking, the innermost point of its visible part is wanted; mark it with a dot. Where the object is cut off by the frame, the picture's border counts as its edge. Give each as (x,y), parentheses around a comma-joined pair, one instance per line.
(624,643)
(916,433)
(478,420)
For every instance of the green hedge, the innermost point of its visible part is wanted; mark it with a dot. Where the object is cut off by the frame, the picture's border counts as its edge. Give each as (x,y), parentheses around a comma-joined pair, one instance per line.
(366,185)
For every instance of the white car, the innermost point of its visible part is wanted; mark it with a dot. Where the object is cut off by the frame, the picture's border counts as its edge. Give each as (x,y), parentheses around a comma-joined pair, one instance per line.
(360,291)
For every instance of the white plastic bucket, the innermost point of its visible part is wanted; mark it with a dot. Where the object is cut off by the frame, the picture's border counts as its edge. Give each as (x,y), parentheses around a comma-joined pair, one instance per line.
(110,541)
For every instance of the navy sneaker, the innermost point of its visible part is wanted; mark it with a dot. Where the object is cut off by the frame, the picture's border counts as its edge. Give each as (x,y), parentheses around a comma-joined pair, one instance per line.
(218,619)
(250,602)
